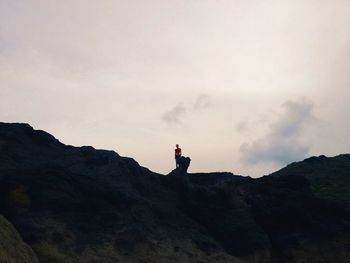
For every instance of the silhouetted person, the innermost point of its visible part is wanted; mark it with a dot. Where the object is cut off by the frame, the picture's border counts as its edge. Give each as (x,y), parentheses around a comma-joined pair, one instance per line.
(177,155)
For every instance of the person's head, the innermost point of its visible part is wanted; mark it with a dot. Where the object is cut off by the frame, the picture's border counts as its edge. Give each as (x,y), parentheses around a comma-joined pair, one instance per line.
(177,146)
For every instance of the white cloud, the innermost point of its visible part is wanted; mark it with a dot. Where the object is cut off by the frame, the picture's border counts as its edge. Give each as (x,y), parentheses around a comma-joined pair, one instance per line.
(174,115)
(202,102)
(283,143)
(177,114)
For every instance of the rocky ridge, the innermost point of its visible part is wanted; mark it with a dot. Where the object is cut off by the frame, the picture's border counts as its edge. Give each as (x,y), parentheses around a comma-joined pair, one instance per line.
(78,204)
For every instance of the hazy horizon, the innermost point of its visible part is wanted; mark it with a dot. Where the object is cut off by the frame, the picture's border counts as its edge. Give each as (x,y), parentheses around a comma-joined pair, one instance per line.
(242,86)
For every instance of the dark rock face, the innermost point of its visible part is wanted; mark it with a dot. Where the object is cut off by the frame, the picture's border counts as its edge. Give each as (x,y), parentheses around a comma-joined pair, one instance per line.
(78,204)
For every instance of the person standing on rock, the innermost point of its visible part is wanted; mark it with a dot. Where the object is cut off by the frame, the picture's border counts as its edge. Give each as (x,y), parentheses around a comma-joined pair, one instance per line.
(177,155)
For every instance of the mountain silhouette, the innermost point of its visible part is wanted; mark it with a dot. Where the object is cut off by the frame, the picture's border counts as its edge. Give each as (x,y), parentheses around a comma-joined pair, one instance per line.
(65,204)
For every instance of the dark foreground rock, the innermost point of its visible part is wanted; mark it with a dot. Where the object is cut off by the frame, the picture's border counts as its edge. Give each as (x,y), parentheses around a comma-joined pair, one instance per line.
(78,204)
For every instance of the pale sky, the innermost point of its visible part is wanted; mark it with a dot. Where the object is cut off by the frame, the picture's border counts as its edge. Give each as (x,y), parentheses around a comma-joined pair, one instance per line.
(245,86)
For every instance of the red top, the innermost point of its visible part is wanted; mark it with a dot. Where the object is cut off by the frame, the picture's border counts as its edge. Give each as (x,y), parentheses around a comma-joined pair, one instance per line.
(178,151)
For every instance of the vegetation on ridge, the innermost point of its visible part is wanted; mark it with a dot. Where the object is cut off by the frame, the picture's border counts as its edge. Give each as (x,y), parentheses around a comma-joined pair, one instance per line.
(329,177)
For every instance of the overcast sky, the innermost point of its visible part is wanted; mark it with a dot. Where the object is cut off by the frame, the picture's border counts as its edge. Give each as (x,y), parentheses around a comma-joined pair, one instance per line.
(245,86)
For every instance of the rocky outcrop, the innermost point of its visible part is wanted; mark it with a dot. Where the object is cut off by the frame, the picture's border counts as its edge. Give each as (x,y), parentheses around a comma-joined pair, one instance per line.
(181,170)
(12,247)
(79,204)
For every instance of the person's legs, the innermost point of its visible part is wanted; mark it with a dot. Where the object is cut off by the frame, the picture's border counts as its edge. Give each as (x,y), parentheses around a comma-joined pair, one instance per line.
(177,161)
